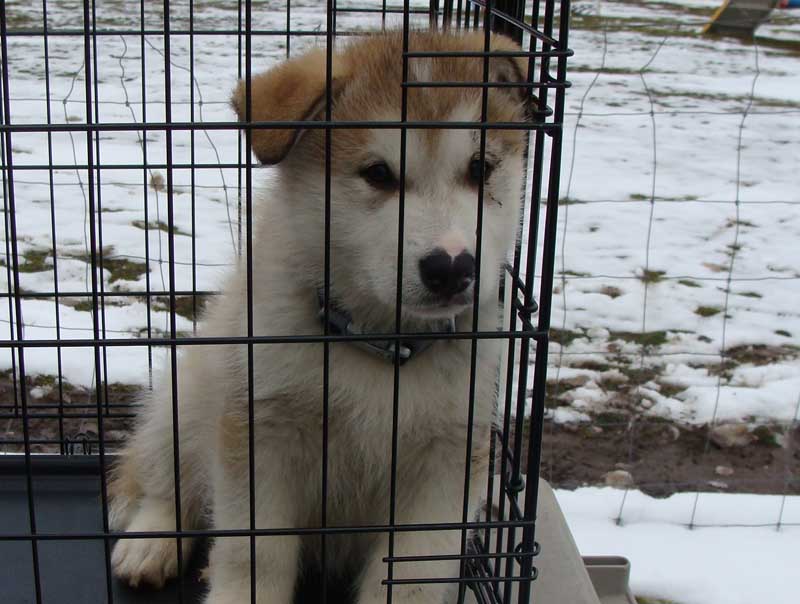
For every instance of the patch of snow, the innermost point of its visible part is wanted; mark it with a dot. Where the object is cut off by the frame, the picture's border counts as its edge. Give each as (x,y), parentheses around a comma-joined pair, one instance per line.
(734,561)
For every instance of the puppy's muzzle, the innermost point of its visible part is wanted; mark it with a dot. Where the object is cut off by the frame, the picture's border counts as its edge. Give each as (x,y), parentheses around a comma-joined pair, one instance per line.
(445,276)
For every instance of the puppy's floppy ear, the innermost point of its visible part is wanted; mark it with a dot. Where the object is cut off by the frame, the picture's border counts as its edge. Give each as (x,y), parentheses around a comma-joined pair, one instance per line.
(291,91)
(511,69)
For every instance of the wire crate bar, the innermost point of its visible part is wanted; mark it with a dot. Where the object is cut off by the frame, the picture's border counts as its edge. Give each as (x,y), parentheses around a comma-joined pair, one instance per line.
(62,437)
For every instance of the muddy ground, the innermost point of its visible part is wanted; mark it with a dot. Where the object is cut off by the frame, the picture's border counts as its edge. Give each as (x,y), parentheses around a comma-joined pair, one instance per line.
(662,457)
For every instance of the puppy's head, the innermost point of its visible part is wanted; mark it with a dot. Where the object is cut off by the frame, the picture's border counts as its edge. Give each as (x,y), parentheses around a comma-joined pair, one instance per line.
(445,171)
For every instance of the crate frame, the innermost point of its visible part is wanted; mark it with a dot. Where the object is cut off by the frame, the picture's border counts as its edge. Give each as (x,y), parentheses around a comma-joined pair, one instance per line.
(546,28)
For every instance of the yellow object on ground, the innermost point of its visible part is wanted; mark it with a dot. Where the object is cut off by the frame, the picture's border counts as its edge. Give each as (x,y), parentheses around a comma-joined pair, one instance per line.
(740,17)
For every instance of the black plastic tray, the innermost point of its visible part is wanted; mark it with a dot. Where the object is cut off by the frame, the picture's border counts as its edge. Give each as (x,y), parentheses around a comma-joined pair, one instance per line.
(73,571)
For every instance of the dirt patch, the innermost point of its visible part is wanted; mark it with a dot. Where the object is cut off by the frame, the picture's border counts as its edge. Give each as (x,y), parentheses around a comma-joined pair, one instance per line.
(62,417)
(189,307)
(760,354)
(663,457)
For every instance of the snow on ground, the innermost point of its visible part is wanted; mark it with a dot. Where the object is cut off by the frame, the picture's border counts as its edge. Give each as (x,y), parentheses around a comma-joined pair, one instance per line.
(706,565)
(715,275)
(658,269)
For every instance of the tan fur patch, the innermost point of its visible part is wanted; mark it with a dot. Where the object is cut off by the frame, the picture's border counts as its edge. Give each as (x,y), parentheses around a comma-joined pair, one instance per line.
(291,91)
(123,484)
(368,76)
(233,438)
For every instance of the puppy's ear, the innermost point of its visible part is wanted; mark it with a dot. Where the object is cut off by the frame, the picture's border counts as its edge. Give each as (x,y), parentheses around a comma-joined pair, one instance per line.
(511,70)
(291,91)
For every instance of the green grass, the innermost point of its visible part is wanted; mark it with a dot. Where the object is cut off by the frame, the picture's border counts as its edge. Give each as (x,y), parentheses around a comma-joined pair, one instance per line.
(670,390)
(766,437)
(751,354)
(610,418)
(161,226)
(84,306)
(643,338)
(650,276)
(184,305)
(120,269)
(568,201)
(641,375)
(590,365)
(35,261)
(718,98)
(565,337)
(761,354)
(707,311)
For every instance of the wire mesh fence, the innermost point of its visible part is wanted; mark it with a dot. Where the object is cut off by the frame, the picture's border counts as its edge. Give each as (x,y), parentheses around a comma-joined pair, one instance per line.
(675,355)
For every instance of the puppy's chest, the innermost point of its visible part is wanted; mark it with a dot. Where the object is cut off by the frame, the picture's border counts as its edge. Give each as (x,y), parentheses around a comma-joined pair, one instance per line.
(429,393)
(433,398)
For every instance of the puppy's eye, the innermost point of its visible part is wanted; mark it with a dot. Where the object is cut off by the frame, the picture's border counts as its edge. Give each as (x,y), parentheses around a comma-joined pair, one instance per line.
(380,176)
(474,171)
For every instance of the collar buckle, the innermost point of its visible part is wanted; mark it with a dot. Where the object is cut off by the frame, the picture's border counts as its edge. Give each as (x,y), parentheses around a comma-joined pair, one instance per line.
(340,322)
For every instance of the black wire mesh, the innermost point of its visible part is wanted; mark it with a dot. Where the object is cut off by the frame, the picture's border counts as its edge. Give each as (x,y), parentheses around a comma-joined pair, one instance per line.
(78,420)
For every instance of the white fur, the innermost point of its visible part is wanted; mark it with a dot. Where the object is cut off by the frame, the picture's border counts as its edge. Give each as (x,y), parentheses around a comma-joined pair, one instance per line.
(432,421)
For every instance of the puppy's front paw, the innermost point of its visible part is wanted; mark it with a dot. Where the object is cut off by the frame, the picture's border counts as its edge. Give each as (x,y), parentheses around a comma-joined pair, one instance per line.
(145,561)
(149,561)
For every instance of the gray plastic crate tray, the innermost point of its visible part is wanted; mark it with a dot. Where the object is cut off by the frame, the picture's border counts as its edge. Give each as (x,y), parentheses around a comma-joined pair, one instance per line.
(66,497)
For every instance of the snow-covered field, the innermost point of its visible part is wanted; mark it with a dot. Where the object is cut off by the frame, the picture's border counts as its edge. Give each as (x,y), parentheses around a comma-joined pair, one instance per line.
(720,561)
(659,268)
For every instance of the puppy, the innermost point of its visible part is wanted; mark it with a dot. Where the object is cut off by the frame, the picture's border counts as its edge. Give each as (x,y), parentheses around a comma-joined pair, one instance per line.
(435,472)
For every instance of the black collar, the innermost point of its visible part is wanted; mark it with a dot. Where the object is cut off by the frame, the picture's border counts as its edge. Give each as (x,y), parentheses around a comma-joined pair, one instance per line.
(340,322)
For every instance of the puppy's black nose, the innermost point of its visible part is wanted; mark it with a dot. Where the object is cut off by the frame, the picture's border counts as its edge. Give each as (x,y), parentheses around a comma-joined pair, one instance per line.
(445,276)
